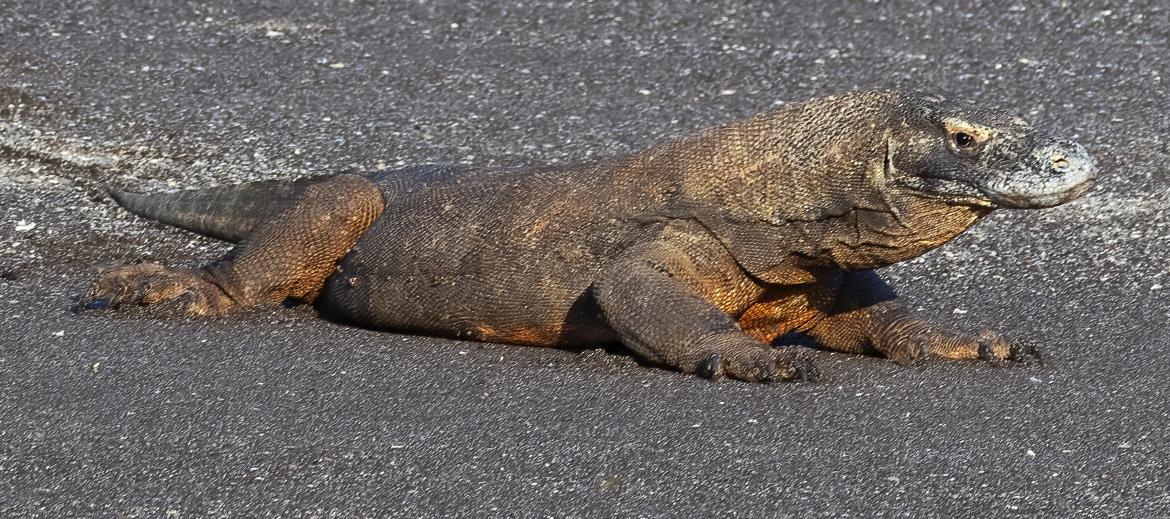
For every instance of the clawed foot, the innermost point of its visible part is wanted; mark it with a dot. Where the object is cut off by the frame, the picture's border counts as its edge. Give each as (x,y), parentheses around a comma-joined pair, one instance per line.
(918,340)
(760,364)
(998,351)
(150,283)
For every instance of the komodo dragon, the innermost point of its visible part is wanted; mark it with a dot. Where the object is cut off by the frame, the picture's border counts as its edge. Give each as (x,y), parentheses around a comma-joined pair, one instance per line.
(695,254)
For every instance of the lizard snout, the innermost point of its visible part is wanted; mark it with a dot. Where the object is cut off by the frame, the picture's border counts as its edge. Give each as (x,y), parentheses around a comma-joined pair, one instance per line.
(1054,172)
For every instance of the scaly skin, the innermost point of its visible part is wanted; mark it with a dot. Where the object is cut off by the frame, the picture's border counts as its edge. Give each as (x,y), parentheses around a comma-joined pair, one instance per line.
(695,254)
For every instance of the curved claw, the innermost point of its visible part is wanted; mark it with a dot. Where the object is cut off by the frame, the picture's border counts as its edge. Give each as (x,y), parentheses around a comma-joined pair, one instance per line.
(1000,352)
(1026,352)
(755,363)
(711,367)
(87,303)
(800,367)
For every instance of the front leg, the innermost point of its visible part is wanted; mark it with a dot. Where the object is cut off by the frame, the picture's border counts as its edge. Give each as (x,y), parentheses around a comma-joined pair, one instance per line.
(863,316)
(658,299)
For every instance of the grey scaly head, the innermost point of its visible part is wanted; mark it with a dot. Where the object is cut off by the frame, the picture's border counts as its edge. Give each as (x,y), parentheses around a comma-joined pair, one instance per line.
(969,154)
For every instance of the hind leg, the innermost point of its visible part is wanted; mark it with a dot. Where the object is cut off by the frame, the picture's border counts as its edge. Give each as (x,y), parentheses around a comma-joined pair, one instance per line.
(286,257)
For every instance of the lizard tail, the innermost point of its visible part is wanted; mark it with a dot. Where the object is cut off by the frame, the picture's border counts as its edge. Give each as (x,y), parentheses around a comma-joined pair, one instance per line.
(228,213)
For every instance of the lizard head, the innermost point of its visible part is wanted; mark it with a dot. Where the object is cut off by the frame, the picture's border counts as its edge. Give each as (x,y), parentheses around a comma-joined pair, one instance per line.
(982,157)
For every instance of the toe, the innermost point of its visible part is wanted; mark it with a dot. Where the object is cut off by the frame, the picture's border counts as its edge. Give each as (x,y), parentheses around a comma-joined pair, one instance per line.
(806,371)
(999,351)
(768,365)
(1026,352)
(797,366)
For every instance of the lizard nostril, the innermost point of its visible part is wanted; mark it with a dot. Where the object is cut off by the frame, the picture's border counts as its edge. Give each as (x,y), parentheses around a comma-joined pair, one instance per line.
(1058,161)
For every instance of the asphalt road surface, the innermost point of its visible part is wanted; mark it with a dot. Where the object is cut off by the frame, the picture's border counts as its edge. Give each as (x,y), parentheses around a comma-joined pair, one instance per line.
(279,413)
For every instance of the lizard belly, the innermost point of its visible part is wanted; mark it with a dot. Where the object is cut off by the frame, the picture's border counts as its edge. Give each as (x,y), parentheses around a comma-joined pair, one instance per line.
(439,282)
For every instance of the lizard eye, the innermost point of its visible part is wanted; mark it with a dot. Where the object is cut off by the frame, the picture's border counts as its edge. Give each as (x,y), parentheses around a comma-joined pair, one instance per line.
(963,140)
(966,139)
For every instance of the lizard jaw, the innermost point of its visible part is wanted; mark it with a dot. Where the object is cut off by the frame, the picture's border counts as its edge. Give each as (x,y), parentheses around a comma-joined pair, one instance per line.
(1054,173)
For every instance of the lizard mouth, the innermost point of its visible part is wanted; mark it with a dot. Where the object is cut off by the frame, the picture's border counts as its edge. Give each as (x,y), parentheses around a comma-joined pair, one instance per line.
(1040,199)
(1053,174)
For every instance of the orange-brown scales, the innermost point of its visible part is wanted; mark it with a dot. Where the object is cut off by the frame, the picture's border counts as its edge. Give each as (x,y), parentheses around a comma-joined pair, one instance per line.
(694,254)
